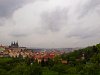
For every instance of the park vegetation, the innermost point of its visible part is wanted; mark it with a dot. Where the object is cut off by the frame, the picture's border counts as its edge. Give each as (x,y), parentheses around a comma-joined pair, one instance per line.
(84,61)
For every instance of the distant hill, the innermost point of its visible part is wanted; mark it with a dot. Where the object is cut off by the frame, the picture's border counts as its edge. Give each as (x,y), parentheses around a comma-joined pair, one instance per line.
(52,49)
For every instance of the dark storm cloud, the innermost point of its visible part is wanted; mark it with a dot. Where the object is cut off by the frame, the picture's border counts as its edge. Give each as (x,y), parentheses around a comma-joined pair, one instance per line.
(7,7)
(54,21)
(90,5)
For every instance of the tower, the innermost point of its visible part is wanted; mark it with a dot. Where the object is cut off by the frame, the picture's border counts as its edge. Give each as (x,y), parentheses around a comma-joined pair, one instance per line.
(17,44)
(14,44)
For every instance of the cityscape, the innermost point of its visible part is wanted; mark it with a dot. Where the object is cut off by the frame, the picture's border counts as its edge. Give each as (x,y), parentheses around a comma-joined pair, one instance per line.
(40,61)
(49,37)
(15,51)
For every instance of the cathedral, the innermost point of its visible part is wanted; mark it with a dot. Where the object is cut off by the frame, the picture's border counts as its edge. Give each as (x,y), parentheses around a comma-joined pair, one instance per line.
(14,45)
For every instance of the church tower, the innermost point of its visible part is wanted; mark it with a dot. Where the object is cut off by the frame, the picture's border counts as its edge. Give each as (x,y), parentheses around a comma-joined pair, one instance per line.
(14,45)
(17,44)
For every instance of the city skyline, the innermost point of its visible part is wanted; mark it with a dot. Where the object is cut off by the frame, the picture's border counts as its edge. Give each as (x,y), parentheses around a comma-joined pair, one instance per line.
(50,23)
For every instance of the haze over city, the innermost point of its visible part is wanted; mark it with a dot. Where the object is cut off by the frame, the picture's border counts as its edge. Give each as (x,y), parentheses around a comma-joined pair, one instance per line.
(50,23)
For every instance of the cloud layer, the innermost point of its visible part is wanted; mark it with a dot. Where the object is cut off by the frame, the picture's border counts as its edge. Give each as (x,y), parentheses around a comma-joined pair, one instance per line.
(7,7)
(50,23)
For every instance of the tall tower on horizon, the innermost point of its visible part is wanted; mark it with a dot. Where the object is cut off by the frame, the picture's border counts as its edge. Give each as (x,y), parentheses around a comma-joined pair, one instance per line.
(14,45)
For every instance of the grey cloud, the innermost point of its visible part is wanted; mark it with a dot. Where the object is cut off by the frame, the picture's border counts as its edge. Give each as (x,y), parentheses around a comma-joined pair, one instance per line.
(84,33)
(19,34)
(80,34)
(56,20)
(53,21)
(91,5)
(7,7)
(2,22)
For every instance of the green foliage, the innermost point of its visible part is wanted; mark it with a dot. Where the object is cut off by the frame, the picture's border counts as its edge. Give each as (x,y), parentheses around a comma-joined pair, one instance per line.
(49,72)
(90,65)
(60,68)
(35,69)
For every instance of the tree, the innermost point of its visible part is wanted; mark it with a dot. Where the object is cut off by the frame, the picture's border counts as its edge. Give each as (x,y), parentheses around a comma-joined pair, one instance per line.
(35,70)
(50,63)
(60,68)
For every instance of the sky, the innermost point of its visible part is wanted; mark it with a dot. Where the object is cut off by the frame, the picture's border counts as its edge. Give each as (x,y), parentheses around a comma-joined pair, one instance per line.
(50,23)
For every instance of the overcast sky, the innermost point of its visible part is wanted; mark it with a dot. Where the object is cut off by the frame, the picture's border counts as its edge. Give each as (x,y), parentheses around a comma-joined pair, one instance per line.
(50,23)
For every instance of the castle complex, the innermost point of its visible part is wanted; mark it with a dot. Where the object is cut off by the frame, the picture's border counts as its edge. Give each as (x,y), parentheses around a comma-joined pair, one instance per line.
(14,45)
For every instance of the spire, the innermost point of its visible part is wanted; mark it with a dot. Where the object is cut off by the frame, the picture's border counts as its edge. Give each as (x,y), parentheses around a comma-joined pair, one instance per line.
(17,44)
(11,43)
(14,43)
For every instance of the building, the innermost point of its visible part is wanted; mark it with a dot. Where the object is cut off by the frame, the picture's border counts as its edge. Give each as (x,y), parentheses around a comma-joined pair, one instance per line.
(14,45)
